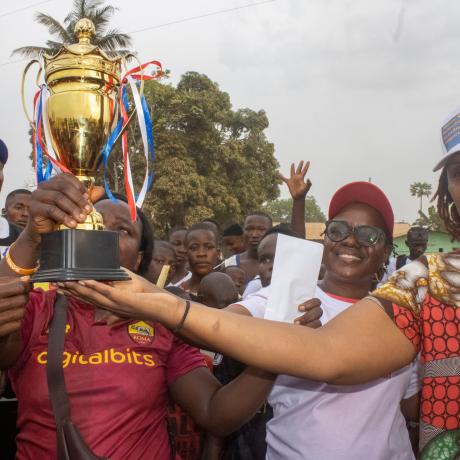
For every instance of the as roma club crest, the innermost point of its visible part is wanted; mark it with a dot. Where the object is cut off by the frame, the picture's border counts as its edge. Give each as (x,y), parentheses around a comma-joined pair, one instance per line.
(141,332)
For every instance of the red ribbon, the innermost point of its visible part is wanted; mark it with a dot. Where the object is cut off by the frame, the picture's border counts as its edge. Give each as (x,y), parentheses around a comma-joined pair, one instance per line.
(141,76)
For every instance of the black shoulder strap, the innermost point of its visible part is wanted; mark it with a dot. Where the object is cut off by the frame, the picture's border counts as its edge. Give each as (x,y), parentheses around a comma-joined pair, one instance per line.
(54,370)
(70,443)
(401,261)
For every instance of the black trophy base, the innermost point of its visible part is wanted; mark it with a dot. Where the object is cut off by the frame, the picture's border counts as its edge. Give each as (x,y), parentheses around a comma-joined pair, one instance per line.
(72,255)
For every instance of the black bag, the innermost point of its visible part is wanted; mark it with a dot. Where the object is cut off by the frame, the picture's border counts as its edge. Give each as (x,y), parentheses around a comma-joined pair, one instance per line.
(70,443)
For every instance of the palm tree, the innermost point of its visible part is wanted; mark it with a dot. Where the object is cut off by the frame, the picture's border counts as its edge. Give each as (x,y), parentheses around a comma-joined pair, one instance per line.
(420,189)
(112,41)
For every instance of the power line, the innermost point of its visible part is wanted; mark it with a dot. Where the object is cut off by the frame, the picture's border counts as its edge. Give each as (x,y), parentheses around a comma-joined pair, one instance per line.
(3,64)
(9,13)
(178,21)
(205,15)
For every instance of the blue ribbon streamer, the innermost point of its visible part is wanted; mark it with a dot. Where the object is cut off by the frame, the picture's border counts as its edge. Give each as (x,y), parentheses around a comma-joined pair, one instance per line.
(106,150)
(38,148)
(124,98)
(41,176)
(148,126)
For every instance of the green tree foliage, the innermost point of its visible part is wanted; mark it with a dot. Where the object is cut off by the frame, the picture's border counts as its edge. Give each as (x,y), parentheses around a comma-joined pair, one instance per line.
(210,160)
(281,210)
(112,41)
(419,190)
(430,220)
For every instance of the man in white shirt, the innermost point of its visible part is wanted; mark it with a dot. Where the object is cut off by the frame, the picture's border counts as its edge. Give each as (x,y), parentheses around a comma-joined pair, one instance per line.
(417,241)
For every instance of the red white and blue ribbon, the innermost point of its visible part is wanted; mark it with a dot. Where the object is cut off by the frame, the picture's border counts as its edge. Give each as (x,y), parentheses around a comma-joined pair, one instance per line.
(132,79)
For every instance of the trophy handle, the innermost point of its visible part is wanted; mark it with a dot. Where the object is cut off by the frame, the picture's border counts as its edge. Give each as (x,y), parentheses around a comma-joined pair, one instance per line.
(24,74)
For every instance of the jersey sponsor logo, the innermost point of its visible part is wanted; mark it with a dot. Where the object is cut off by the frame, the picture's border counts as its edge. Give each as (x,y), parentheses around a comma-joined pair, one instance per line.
(109,356)
(141,332)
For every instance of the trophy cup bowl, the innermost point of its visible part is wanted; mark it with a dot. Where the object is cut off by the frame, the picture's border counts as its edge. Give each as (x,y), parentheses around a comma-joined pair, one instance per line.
(81,112)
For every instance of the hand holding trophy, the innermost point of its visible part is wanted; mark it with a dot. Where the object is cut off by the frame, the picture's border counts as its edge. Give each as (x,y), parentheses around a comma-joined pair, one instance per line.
(80,119)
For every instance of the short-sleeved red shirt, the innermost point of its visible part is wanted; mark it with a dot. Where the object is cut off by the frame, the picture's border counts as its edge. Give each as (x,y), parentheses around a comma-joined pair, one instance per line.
(117,380)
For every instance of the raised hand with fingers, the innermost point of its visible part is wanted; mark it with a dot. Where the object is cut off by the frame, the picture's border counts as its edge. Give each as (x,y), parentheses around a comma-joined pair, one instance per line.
(298,186)
(61,200)
(125,299)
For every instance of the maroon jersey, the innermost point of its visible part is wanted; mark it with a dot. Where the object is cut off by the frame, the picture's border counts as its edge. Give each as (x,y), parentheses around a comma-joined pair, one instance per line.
(117,380)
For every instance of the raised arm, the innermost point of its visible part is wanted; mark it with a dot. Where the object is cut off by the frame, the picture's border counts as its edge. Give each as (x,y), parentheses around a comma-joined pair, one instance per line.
(359,345)
(298,188)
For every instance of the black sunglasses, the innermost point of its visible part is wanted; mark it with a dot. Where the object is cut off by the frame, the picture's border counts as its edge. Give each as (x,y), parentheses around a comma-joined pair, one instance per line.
(366,235)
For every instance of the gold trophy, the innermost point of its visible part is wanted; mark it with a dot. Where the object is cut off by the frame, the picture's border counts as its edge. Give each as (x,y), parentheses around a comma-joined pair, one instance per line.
(82,110)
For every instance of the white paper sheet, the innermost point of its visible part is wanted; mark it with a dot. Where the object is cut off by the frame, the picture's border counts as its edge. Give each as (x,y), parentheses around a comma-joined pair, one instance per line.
(294,277)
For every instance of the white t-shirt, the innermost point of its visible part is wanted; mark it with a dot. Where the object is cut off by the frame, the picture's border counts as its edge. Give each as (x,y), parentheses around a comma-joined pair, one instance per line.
(317,421)
(391,268)
(253,286)
(183,280)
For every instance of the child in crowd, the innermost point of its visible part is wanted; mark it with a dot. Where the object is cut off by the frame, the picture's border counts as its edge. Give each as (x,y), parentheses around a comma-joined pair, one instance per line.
(238,275)
(256,225)
(163,254)
(214,226)
(233,240)
(177,239)
(217,290)
(201,245)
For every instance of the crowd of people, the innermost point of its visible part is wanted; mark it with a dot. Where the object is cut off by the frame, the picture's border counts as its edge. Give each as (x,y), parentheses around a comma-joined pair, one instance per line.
(178,362)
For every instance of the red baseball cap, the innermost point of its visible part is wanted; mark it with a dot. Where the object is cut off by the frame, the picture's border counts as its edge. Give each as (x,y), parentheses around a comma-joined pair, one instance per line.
(367,193)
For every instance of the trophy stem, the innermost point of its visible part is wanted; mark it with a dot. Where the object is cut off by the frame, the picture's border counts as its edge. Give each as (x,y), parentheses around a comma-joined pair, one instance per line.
(87,181)
(94,220)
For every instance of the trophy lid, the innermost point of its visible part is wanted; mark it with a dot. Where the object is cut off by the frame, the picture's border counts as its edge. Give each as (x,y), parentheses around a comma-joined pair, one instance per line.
(84,30)
(82,56)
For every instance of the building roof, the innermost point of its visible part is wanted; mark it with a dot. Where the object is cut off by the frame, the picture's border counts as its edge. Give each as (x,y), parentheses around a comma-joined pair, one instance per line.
(400,229)
(314,230)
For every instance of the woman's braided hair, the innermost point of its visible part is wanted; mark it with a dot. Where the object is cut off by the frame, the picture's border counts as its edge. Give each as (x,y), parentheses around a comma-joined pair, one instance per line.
(446,209)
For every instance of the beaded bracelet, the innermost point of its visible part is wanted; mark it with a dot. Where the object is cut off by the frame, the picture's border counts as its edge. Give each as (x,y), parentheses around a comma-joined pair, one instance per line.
(16,268)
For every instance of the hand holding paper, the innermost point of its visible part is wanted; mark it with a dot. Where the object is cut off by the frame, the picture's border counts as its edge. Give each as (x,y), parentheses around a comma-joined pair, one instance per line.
(294,277)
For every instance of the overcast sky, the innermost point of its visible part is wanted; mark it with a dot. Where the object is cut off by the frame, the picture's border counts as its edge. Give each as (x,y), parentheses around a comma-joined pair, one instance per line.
(358,87)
